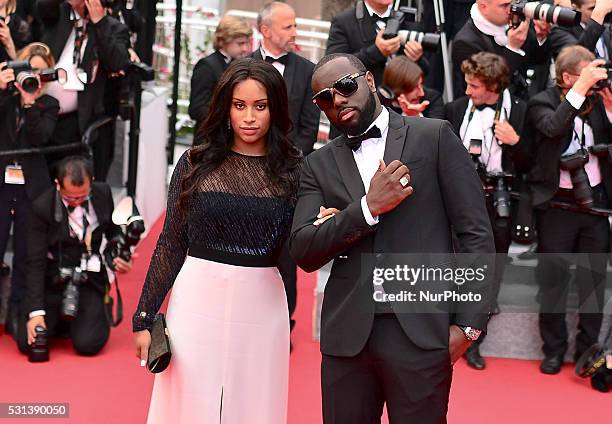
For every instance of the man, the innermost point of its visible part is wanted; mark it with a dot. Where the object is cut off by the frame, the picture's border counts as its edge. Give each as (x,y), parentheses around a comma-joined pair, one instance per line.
(490,114)
(232,41)
(89,45)
(276,23)
(372,353)
(487,30)
(567,120)
(591,33)
(66,227)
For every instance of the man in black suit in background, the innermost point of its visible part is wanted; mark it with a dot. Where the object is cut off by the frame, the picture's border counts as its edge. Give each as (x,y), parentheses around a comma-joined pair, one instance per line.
(232,41)
(372,351)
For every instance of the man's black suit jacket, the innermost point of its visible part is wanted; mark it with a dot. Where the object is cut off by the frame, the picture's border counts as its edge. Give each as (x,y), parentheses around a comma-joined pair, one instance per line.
(206,75)
(107,44)
(515,158)
(45,235)
(304,114)
(447,192)
(586,37)
(470,40)
(552,121)
(353,31)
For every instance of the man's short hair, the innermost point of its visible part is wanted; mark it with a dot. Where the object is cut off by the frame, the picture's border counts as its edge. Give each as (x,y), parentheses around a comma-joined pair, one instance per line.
(230,28)
(263,17)
(402,75)
(76,168)
(569,60)
(357,64)
(489,68)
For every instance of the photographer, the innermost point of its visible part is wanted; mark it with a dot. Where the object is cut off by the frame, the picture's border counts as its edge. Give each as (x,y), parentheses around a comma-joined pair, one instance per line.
(89,45)
(14,31)
(492,120)
(567,121)
(591,33)
(405,80)
(27,119)
(487,30)
(66,226)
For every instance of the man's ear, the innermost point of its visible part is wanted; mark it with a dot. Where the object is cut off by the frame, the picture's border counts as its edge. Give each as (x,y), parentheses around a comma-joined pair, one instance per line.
(370,80)
(264,30)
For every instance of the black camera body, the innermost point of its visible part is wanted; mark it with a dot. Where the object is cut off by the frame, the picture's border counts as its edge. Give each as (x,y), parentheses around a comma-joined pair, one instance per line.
(562,16)
(602,151)
(28,79)
(429,41)
(121,245)
(501,183)
(136,72)
(574,164)
(107,3)
(71,279)
(39,350)
(606,83)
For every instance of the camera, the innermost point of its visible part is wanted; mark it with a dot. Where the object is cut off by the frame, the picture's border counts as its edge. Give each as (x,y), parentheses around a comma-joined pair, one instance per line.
(602,151)
(72,278)
(574,164)
(126,213)
(429,41)
(107,3)
(28,77)
(386,95)
(500,181)
(39,350)
(136,72)
(562,16)
(606,83)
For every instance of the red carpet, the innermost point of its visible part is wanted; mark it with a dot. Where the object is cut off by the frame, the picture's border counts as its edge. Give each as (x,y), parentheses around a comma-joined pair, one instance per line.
(112,388)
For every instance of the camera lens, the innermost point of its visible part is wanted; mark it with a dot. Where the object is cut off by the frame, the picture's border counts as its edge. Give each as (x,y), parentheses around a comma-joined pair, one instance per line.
(70,302)
(28,82)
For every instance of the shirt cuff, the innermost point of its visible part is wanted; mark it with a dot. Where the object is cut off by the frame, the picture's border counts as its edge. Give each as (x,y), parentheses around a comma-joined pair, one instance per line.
(367,214)
(37,313)
(517,51)
(575,99)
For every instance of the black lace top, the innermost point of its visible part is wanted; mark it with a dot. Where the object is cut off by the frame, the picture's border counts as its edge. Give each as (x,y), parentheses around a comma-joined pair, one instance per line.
(237,216)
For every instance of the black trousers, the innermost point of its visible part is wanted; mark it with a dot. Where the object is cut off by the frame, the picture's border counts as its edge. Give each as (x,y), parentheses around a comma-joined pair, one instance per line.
(566,232)
(288,271)
(14,205)
(414,383)
(89,331)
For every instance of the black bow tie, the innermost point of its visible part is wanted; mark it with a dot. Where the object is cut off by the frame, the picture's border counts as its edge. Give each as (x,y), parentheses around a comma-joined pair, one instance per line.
(355,142)
(376,18)
(84,205)
(283,59)
(484,106)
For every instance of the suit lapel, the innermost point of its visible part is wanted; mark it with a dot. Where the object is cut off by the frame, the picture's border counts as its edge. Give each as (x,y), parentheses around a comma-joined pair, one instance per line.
(396,137)
(257,54)
(289,72)
(347,166)
(64,28)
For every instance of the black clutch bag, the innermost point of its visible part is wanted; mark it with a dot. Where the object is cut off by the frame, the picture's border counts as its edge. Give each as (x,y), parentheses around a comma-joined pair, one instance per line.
(159,351)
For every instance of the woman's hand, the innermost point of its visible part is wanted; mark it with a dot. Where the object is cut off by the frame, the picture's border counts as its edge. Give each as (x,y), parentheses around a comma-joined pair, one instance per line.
(7,40)
(142,339)
(6,76)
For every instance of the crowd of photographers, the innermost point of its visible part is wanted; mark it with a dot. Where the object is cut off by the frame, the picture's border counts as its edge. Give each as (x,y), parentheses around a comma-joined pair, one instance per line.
(533,108)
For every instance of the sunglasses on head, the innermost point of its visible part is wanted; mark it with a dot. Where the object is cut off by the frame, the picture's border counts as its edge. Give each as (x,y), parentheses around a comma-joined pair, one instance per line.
(345,85)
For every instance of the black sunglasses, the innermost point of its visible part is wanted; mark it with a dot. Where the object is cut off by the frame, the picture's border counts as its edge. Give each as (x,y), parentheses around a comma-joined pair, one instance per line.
(345,85)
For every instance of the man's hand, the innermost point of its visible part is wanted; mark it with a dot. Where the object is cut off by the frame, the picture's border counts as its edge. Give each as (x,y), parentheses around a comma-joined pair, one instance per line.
(542,29)
(324,215)
(133,55)
(412,109)
(386,191)
(602,8)
(122,266)
(517,36)
(589,76)
(29,98)
(387,47)
(414,50)
(457,343)
(7,40)
(31,327)
(96,11)
(505,133)
(6,76)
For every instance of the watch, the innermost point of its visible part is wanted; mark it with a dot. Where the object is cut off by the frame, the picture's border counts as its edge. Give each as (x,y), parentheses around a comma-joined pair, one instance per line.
(470,333)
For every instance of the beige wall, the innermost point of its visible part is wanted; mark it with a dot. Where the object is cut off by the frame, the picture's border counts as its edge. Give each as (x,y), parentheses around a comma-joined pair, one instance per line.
(310,9)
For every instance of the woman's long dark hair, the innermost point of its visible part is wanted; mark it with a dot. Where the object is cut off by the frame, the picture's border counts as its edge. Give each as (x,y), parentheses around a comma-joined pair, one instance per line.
(216,139)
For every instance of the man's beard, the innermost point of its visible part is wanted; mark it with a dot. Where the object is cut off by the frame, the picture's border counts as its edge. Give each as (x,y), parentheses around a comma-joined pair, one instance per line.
(366,117)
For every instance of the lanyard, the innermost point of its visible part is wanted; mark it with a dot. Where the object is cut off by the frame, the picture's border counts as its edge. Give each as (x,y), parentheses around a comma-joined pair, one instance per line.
(489,145)
(582,139)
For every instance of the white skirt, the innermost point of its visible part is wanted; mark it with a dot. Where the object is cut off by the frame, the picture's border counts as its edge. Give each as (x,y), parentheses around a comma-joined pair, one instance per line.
(229,333)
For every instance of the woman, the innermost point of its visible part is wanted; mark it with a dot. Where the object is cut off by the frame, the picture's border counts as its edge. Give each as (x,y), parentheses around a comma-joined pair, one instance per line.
(405,79)
(26,120)
(14,31)
(230,206)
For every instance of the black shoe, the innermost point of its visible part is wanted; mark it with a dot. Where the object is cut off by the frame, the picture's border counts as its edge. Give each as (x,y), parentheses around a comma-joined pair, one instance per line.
(599,383)
(473,358)
(495,309)
(551,365)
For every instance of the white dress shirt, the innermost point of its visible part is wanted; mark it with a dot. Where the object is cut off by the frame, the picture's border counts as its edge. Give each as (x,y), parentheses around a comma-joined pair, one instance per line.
(279,66)
(379,24)
(368,157)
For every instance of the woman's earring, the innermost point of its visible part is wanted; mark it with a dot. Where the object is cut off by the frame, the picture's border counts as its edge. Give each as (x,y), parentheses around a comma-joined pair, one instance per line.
(229,125)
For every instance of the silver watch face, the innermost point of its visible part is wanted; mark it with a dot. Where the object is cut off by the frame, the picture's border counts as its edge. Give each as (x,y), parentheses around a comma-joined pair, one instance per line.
(472,333)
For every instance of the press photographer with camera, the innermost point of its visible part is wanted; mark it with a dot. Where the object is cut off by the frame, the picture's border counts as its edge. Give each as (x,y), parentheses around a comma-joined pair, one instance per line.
(89,45)
(592,33)
(568,122)
(27,119)
(66,277)
(14,31)
(490,122)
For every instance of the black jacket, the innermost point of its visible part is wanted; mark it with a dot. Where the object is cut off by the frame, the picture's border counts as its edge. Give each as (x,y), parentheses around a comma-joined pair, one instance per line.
(447,192)
(107,46)
(38,123)
(515,158)
(586,37)
(206,75)
(304,114)
(45,235)
(552,121)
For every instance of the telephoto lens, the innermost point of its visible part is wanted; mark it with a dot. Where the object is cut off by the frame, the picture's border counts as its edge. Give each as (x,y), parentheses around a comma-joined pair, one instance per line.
(70,301)
(574,164)
(39,350)
(562,16)
(429,41)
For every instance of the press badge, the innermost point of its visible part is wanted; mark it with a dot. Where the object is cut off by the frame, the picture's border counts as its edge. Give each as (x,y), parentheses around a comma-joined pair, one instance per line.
(13,174)
(93,264)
